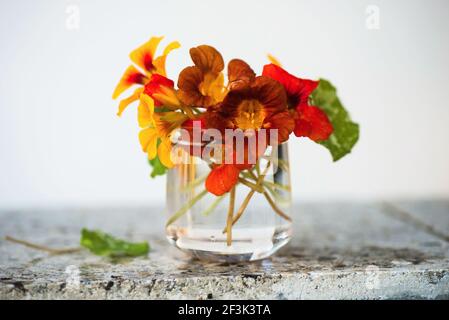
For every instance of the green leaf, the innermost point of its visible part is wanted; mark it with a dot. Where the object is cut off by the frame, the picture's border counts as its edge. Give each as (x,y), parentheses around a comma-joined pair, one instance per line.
(346,132)
(158,168)
(103,244)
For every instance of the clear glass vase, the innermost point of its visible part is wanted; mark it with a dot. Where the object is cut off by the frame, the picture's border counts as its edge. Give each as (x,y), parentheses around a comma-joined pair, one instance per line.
(197,220)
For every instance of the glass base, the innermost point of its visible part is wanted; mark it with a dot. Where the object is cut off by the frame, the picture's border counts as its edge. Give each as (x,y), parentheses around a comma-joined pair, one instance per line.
(248,244)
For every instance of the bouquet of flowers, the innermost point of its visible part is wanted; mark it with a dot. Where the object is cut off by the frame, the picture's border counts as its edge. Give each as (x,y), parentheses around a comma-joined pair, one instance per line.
(212,106)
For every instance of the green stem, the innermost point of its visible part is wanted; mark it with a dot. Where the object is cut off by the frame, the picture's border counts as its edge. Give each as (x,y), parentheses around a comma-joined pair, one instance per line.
(252,175)
(268,185)
(270,190)
(42,248)
(281,163)
(188,112)
(241,209)
(249,196)
(185,208)
(275,207)
(277,185)
(213,206)
(251,185)
(230,216)
(196,110)
(194,183)
(257,166)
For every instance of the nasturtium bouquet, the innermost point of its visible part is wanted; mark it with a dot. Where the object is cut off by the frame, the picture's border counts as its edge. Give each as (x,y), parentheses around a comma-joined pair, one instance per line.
(261,110)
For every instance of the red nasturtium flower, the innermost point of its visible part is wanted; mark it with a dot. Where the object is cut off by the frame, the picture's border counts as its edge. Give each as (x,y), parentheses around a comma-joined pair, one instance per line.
(225,174)
(310,121)
(222,179)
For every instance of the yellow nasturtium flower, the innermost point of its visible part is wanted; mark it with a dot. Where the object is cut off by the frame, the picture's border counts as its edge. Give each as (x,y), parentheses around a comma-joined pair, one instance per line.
(154,146)
(144,58)
(155,91)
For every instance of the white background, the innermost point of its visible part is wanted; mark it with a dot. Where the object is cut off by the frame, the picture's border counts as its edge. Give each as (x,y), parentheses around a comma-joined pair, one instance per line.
(62,144)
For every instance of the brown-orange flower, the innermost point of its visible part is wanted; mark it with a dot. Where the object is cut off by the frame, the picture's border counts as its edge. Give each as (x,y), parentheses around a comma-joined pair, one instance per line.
(201,85)
(252,103)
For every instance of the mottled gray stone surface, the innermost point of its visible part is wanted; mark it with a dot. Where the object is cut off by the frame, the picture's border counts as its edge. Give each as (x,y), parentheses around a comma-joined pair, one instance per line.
(339,251)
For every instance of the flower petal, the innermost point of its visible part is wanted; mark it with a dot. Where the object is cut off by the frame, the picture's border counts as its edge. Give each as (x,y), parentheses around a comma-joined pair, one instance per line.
(274,60)
(221,179)
(167,97)
(148,141)
(145,111)
(125,102)
(202,85)
(248,106)
(298,90)
(159,62)
(270,93)
(189,82)
(144,55)
(239,72)
(161,86)
(214,119)
(157,81)
(171,46)
(313,123)
(164,152)
(166,122)
(130,77)
(213,87)
(207,58)
(283,122)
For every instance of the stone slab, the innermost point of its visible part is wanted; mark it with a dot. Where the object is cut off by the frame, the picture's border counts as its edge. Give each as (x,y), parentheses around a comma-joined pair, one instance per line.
(339,251)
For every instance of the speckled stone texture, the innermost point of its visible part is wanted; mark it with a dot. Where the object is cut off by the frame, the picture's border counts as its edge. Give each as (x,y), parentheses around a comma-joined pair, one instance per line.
(339,251)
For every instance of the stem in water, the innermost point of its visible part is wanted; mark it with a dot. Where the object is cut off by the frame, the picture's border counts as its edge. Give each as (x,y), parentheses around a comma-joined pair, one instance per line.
(248,197)
(275,207)
(230,216)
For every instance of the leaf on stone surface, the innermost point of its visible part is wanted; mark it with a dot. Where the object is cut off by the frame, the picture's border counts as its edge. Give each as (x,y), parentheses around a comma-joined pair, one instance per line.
(346,132)
(103,244)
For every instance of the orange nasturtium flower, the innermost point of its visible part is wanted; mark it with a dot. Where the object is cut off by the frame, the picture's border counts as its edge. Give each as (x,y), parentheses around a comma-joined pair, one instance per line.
(201,85)
(155,91)
(252,103)
(144,58)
